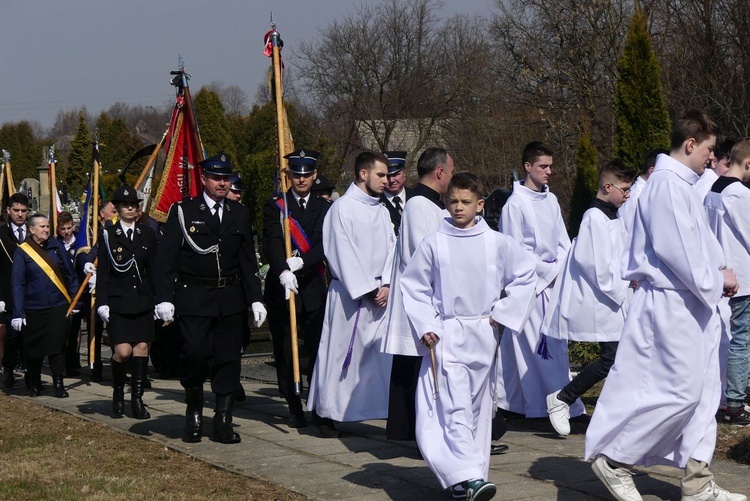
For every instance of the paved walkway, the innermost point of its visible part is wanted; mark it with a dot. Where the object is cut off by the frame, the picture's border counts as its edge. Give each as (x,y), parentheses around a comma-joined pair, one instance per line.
(362,464)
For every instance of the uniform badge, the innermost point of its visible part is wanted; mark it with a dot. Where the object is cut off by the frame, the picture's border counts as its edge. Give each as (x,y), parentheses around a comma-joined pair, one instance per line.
(125,192)
(223,158)
(302,153)
(118,232)
(138,230)
(119,249)
(202,207)
(119,258)
(192,229)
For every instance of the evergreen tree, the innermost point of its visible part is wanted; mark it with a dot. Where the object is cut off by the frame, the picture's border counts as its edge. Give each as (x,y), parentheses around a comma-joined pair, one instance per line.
(213,125)
(587,176)
(116,145)
(642,121)
(79,159)
(25,151)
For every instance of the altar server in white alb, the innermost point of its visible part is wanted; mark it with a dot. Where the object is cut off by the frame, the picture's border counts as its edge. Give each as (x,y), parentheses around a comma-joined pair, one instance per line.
(531,365)
(452,295)
(351,375)
(717,166)
(422,214)
(627,211)
(591,299)
(728,207)
(657,406)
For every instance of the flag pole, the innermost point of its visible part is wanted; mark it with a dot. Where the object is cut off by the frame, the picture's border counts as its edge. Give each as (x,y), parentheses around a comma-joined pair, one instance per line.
(52,191)
(6,160)
(94,208)
(151,161)
(283,169)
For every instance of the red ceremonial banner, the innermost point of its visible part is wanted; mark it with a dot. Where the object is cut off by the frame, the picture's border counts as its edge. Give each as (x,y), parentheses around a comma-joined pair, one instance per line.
(181,176)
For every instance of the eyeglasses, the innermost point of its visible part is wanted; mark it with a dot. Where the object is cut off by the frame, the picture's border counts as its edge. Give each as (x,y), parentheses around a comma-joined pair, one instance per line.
(624,191)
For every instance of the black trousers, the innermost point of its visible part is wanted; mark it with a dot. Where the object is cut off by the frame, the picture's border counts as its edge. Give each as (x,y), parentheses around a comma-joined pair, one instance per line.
(13,352)
(72,357)
(309,327)
(402,413)
(591,374)
(211,347)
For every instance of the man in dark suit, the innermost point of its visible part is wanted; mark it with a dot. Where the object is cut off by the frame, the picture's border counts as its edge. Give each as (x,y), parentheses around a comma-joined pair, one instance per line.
(206,273)
(304,273)
(12,235)
(395,193)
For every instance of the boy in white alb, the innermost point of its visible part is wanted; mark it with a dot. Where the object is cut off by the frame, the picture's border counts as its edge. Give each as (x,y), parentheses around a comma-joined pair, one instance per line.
(452,295)
(728,206)
(657,406)
(531,366)
(591,298)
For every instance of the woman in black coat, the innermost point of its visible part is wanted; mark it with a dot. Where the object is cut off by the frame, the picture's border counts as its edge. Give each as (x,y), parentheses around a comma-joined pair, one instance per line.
(43,283)
(125,298)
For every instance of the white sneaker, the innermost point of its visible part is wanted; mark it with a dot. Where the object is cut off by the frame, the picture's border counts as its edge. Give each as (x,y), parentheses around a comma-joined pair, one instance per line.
(715,493)
(619,481)
(559,414)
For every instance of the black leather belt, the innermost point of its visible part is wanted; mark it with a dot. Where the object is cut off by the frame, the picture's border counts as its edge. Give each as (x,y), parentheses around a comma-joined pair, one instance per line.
(219,282)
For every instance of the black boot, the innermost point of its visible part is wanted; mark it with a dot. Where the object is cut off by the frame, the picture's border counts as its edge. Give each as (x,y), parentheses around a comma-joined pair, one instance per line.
(223,420)
(33,377)
(136,388)
(194,414)
(9,379)
(119,374)
(57,384)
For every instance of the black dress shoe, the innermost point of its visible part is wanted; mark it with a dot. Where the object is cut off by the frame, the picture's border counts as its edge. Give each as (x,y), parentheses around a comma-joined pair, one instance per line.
(297,420)
(496,450)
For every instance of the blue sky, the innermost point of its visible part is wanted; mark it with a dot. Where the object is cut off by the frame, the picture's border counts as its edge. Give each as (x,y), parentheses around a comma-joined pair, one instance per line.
(68,53)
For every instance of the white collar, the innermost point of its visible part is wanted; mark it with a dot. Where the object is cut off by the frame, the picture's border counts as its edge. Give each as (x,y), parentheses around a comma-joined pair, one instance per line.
(298,197)
(126,226)
(665,162)
(401,195)
(211,202)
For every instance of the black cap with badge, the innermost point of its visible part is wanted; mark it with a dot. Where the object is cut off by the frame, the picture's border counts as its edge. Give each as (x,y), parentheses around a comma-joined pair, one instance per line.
(217,165)
(396,161)
(302,161)
(125,194)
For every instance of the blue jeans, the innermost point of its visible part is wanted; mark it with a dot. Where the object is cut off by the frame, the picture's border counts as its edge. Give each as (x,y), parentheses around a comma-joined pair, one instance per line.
(738,362)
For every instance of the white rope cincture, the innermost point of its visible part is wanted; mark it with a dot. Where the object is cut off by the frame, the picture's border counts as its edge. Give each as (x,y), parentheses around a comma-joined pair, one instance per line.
(212,249)
(121,267)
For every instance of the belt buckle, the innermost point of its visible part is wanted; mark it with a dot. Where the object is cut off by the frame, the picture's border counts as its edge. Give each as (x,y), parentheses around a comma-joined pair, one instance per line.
(221,282)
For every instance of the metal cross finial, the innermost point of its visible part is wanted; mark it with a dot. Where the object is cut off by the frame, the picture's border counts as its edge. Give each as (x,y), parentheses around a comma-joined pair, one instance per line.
(6,156)
(180,63)
(52,154)
(273,23)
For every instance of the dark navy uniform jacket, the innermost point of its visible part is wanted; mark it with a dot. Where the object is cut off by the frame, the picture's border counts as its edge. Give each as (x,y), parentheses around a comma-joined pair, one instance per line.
(312,286)
(203,283)
(131,291)
(395,216)
(32,288)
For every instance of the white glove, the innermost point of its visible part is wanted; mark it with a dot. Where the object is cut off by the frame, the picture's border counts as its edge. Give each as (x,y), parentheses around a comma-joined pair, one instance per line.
(288,282)
(259,314)
(92,282)
(76,312)
(2,306)
(17,323)
(295,263)
(89,268)
(165,311)
(103,312)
